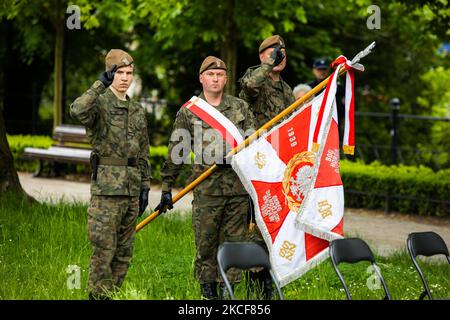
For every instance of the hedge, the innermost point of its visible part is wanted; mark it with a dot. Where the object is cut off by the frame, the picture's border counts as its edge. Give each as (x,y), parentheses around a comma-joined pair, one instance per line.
(18,143)
(405,189)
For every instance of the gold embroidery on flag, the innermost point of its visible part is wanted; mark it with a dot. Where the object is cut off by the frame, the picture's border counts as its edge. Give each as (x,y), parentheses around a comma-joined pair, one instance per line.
(287,250)
(260,160)
(325,208)
(297,178)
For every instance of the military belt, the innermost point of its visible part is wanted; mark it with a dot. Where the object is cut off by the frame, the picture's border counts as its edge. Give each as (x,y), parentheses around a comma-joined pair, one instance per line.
(108,161)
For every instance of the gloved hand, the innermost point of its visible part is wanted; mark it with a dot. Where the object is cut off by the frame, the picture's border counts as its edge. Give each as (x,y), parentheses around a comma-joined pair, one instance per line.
(277,55)
(166,202)
(143,200)
(107,77)
(223,164)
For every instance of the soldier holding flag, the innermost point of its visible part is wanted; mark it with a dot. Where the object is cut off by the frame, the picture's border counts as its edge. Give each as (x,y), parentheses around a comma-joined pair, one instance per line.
(220,203)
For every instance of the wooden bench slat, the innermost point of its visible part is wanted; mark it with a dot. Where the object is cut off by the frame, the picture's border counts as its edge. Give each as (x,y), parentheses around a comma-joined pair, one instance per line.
(71,147)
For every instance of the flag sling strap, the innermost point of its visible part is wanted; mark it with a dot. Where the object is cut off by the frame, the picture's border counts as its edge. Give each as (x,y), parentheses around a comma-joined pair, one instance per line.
(215,119)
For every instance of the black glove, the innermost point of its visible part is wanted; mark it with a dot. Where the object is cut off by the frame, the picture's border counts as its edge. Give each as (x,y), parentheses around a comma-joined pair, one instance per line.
(143,200)
(107,77)
(223,164)
(277,56)
(166,202)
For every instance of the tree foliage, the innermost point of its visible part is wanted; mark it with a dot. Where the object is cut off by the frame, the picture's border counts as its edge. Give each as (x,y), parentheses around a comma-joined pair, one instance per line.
(169,39)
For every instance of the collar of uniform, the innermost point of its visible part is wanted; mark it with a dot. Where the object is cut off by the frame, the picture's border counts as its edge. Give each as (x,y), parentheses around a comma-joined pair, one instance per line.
(119,103)
(222,106)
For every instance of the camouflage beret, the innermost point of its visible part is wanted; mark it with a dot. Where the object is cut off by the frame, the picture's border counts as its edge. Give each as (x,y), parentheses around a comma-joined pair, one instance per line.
(272,41)
(118,57)
(212,62)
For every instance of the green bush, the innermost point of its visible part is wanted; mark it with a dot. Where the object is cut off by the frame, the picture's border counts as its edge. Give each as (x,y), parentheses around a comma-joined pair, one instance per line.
(406,189)
(18,143)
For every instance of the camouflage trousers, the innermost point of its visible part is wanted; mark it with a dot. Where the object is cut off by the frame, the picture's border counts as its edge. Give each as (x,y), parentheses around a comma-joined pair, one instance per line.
(216,219)
(255,236)
(111,229)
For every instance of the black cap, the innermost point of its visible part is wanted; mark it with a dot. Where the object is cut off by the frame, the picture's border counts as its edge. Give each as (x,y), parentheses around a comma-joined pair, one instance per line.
(321,63)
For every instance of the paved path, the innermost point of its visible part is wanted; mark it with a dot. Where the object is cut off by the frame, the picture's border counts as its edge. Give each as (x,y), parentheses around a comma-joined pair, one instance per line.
(384,233)
(55,190)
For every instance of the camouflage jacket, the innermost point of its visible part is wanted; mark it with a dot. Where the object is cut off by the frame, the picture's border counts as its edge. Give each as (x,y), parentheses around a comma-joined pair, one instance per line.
(266,97)
(116,129)
(191,133)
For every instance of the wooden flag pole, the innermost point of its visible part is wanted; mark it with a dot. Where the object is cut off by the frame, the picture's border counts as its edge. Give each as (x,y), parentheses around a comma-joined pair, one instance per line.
(255,135)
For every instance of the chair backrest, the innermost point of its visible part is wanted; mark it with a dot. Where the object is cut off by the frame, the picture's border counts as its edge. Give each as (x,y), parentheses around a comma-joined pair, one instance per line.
(425,244)
(353,250)
(243,255)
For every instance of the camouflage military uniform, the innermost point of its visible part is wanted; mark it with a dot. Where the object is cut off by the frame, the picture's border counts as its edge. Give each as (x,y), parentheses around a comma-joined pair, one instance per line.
(220,202)
(266,98)
(117,131)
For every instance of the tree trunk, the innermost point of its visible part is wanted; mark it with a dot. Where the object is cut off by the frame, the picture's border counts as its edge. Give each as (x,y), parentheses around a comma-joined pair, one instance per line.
(228,49)
(9,180)
(59,47)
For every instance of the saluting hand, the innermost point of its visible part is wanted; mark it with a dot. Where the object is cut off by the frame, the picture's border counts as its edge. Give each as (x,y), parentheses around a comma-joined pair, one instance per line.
(107,77)
(277,55)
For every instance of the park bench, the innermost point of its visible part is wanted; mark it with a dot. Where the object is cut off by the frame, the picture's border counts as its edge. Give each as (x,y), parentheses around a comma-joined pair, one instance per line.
(70,147)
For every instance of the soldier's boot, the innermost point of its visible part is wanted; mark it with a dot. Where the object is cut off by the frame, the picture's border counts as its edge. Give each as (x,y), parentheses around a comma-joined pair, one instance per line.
(261,284)
(209,291)
(267,285)
(97,296)
(223,292)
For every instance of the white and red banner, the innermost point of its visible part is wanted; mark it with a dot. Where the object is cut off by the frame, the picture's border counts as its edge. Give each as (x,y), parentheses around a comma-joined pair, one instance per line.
(292,174)
(215,119)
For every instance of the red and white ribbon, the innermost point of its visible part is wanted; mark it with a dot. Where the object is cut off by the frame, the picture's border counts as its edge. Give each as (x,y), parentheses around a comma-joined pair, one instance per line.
(349,131)
(325,108)
(330,92)
(215,119)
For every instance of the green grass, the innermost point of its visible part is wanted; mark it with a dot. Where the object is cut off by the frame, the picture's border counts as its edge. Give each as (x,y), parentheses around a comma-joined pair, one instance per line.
(38,242)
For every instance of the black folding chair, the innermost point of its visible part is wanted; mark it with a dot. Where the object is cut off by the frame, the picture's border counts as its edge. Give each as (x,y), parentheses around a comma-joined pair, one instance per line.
(243,255)
(353,250)
(425,244)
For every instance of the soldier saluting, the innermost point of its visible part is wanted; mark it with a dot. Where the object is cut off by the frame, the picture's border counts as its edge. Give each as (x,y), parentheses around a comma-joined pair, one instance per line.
(117,130)
(267,95)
